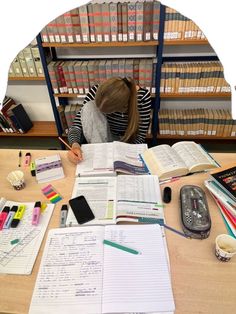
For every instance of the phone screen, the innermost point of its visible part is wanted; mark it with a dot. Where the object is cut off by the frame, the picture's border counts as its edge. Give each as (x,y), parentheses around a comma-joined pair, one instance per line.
(81,209)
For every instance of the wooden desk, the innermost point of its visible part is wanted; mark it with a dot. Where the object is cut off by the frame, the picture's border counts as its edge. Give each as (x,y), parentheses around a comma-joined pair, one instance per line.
(201,284)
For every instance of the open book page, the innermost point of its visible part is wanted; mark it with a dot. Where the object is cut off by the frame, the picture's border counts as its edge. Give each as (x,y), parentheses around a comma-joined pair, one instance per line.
(136,283)
(70,275)
(100,193)
(195,158)
(97,160)
(163,161)
(138,197)
(19,246)
(127,158)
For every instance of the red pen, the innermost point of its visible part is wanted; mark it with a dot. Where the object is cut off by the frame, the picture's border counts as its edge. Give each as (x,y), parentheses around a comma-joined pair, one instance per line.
(3,216)
(36,213)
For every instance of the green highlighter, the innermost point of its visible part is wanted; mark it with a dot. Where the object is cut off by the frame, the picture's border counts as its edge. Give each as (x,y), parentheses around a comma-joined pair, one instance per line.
(33,169)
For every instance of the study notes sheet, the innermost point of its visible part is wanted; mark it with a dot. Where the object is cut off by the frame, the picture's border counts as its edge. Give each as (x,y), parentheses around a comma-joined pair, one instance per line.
(80,274)
(100,193)
(19,246)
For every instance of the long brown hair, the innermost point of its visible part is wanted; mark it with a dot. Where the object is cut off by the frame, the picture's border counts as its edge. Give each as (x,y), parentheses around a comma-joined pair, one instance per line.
(120,95)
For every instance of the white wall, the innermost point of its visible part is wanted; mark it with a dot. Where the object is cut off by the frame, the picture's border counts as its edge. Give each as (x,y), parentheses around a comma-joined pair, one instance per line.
(34,97)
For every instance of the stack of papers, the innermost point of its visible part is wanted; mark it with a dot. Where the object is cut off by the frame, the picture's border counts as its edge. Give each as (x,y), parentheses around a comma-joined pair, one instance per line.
(49,168)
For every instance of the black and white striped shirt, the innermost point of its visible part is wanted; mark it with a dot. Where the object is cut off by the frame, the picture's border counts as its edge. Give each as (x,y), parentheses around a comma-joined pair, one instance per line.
(117,121)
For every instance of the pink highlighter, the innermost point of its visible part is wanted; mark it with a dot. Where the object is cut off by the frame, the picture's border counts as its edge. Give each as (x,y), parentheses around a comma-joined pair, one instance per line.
(3,216)
(27,159)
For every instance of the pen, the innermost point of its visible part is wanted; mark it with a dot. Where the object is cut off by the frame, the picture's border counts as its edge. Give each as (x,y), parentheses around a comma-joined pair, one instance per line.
(120,247)
(20,154)
(3,216)
(18,216)
(64,211)
(174,230)
(36,213)
(10,217)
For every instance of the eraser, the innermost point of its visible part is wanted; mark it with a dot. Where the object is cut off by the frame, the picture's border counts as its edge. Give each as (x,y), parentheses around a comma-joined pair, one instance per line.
(167,195)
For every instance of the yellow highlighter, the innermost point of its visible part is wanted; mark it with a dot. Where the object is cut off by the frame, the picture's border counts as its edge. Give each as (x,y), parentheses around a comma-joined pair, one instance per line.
(18,216)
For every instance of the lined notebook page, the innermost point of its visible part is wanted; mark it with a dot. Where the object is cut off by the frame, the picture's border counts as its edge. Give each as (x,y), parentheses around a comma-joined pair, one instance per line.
(136,283)
(70,274)
(19,258)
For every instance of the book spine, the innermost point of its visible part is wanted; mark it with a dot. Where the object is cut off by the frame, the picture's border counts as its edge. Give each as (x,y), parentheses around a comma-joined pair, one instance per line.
(131,21)
(113,21)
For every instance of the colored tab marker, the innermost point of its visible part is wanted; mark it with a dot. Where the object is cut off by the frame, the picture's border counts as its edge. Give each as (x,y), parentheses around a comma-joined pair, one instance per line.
(51,194)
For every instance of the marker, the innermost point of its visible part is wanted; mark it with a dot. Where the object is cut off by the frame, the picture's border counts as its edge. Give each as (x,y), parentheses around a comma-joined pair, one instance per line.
(33,169)
(10,217)
(18,216)
(36,213)
(27,159)
(120,247)
(3,216)
(64,211)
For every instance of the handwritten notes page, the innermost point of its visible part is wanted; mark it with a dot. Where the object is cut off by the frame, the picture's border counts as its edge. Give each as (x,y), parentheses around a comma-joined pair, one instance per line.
(100,193)
(78,274)
(70,274)
(19,246)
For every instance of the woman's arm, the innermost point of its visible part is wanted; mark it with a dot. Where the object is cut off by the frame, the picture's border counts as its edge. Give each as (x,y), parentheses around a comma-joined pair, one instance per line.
(144,107)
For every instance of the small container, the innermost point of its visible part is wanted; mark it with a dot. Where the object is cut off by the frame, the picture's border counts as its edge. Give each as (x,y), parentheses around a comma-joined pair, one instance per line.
(225,247)
(16,178)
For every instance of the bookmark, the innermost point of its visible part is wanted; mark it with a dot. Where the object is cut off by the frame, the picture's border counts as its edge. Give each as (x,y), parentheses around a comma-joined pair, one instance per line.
(51,194)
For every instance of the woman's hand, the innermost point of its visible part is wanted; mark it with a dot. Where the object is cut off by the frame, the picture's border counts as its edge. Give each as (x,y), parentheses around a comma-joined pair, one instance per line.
(75,154)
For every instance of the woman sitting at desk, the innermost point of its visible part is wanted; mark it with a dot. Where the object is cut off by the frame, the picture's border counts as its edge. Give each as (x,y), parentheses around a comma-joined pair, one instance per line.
(116,110)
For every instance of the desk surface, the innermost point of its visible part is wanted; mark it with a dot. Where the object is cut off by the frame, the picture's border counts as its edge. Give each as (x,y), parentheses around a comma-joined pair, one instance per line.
(201,284)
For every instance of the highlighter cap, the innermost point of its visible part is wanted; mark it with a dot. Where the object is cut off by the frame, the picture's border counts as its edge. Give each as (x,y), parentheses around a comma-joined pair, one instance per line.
(37,204)
(64,207)
(14,208)
(6,209)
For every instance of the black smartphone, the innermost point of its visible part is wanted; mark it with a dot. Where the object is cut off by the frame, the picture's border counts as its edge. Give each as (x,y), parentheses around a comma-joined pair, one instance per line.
(81,209)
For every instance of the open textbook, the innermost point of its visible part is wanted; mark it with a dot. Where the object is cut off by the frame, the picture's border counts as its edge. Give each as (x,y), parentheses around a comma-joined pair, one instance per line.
(110,158)
(177,160)
(104,269)
(19,246)
(122,198)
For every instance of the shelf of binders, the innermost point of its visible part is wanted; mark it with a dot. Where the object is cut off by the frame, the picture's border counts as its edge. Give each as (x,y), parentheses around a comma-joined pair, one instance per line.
(194,137)
(35,78)
(182,42)
(195,95)
(39,129)
(102,44)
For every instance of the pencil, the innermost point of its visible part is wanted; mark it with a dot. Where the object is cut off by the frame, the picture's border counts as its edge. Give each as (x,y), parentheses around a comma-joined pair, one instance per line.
(67,145)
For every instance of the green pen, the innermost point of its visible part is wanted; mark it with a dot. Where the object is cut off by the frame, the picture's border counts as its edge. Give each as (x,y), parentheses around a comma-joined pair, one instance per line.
(120,247)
